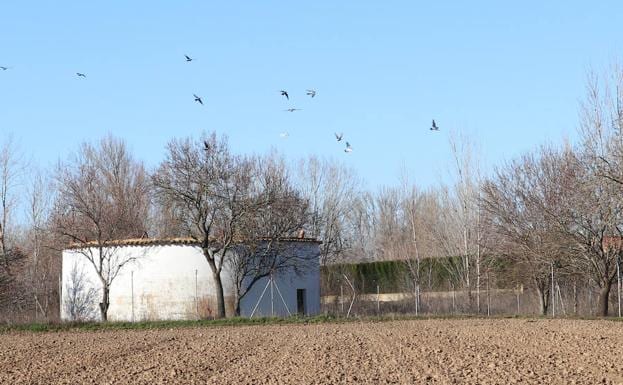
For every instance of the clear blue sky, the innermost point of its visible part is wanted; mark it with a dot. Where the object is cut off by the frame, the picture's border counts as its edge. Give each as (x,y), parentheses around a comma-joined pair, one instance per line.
(511,73)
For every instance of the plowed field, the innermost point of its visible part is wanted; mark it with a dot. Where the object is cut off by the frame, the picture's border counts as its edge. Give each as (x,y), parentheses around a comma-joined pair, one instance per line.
(402,352)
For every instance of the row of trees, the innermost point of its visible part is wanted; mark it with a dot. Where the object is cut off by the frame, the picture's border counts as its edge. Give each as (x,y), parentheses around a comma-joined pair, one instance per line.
(554,208)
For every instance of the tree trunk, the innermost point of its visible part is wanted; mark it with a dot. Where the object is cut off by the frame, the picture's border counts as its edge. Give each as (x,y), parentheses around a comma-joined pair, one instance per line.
(478,281)
(237,300)
(575,299)
(220,297)
(543,299)
(218,283)
(237,308)
(105,303)
(604,296)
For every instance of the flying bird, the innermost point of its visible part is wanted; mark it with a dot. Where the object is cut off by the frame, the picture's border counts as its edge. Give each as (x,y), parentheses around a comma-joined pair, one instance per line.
(188,58)
(4,68)
(311,93)
(434,127)
(339,136)
(348,148)
(81,75)
(284,135)
(206,145)
(198,99)
(293,109)
(285,93)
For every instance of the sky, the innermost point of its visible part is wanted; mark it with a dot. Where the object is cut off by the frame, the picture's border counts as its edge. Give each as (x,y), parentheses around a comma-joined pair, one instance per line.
(510,75)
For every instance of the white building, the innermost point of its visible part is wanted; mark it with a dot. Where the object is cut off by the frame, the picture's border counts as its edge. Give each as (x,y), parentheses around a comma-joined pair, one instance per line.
(171,279)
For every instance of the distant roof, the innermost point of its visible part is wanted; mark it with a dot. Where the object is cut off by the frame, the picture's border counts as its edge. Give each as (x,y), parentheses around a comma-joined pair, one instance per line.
(169,242)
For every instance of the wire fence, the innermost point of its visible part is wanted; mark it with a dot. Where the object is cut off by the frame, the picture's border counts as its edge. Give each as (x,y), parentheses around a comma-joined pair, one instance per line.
(561,300)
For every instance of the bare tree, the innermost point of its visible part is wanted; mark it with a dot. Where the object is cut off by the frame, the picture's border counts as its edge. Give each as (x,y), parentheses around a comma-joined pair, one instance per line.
(331,189)
(388,224)
(413,260)
(14,296)
(592,218)
(11,168)
(215,195)
(457,227)
(80,296)
(416,214)
(263,251)
(601,125)
(362,224)
(102,197)
(40,198)
(520,202)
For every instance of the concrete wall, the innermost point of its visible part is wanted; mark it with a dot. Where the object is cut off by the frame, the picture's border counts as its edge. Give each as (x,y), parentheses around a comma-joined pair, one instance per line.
(175,282)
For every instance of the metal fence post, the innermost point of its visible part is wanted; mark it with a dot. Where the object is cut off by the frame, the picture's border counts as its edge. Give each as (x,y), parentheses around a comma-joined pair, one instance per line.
(378,299)
(342,297)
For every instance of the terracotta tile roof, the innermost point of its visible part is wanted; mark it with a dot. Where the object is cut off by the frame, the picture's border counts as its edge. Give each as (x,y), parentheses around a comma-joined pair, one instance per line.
(169,242)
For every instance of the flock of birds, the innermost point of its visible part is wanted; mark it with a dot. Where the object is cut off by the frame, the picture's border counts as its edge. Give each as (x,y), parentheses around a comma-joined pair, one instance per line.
(338,137)
(309,92)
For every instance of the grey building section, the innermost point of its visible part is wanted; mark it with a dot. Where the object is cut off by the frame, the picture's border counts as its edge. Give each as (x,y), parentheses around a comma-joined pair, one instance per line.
(287,293)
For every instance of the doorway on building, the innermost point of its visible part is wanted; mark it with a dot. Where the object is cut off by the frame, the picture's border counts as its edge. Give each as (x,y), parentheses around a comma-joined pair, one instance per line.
(300,302)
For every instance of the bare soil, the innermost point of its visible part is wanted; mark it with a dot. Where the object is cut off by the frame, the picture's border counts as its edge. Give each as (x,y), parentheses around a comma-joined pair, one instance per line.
(401,352)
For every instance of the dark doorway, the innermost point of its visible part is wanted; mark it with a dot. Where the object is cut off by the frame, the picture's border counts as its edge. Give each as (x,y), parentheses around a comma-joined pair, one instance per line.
(300,302)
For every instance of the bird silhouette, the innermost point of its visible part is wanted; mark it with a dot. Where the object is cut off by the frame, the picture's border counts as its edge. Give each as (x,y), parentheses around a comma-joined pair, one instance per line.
(285,93)
(434,127)
(206,145)
(4,68)
(188,58)
(293,109)
(81,75)
(311,93)
(198,99)
(339,136)
(348,148)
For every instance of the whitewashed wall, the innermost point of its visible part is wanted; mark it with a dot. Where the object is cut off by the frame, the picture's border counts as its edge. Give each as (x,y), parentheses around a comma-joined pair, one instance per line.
(175,282)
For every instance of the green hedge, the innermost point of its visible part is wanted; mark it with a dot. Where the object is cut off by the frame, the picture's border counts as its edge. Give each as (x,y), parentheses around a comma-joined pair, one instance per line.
(393,276)
(390,276)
